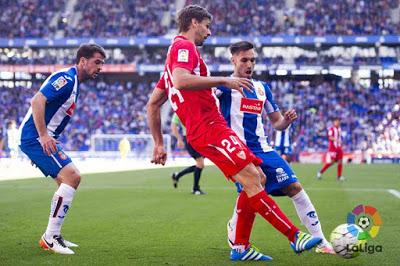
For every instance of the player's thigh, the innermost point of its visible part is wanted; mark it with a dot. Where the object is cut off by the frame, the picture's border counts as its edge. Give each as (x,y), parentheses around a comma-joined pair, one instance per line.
(278,172)
(339,155)
(224,148)
(49,165)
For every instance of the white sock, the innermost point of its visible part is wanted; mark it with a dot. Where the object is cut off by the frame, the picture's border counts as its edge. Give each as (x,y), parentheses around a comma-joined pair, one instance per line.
(60,205)
(308,215)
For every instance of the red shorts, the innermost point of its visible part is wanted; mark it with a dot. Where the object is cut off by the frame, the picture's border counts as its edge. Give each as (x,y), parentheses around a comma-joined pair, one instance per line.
(223,147)
(334,155)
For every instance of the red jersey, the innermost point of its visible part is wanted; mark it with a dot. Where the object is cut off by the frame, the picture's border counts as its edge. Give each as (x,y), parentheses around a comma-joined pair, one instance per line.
(197,109)
(336,134)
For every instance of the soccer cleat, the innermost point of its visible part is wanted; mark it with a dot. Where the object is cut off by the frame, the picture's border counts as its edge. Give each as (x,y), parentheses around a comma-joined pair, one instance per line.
(69,244)
(304,241)
(249,254)
(198,192)
(56,244)
(325,249)
(341,178)
(319,176)
(174,180)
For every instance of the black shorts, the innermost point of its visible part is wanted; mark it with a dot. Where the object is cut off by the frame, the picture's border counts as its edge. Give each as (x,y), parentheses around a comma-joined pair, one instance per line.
(190,150)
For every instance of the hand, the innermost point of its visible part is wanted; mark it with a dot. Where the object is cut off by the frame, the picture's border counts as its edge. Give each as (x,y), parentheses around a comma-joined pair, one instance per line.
(49,144)
(290,115)
(239,84)
(159,155)
(180,144)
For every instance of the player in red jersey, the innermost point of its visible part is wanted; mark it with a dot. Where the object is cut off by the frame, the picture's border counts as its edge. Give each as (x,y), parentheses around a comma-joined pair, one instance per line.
(188,87)
(335,151)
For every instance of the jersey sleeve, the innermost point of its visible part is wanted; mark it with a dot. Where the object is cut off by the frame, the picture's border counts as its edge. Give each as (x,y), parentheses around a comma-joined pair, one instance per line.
(57,86)
(330,132)
(220,90)
(270,105)
(184,55)
(161,83)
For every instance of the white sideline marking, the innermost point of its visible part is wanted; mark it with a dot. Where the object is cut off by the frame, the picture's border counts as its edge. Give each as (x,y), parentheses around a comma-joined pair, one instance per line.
(394,192)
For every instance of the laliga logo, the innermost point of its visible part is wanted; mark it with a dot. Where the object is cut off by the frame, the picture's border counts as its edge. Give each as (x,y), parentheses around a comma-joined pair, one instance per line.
(368,218)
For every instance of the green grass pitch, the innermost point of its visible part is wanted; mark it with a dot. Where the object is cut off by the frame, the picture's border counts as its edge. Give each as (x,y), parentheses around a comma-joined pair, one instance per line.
(138,218)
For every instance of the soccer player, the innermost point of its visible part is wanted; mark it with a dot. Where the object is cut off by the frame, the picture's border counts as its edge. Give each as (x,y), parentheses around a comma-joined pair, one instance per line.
(283,143)
(335,151)
(189,90)
(51,109)
(182,142)
(244,116)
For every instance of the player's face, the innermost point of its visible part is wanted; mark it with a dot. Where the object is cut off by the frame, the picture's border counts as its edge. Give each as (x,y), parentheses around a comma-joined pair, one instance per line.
(244,62)
(93,65)
(202,31)
(336,123)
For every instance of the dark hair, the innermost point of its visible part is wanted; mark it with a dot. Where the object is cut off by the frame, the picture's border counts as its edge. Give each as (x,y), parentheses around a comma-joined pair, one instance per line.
(240,46)
(336,118)
(186,14)
(87,50)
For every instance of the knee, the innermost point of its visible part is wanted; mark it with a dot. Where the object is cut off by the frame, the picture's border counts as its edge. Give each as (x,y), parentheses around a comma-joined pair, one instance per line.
(200,163)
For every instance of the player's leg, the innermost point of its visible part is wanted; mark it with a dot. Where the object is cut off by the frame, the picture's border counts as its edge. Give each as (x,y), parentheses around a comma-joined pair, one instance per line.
(191,169)
(328,163)
(56,165)
(197,176)
(308,215)
(264,205)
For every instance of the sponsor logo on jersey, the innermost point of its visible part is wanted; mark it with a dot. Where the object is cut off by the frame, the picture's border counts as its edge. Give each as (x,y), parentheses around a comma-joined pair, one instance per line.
(241,155)
(62,155)
(59,83)
(281,175)
(252,106)
(183,55)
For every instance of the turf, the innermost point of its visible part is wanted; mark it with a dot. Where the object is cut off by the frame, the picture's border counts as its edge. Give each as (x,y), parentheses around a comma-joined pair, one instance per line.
(137,218)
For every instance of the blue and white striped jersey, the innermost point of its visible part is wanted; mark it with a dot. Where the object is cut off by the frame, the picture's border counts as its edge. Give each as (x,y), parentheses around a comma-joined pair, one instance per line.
(243,114)
(282,138)
(61,90)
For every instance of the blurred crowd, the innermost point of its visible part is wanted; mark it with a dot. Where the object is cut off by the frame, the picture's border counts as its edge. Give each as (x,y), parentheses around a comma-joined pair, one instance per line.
(108,18)
(367,115)
(369,119)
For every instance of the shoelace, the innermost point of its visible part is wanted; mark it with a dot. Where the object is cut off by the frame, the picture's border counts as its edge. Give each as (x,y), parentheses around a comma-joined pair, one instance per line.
(60,240)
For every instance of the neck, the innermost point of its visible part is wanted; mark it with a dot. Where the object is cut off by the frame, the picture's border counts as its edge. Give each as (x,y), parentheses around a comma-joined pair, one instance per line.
(80,73)
(188,35)
(237,75)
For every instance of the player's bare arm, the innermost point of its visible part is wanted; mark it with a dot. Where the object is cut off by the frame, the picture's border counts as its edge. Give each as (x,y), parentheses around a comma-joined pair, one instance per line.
(184,80)
(157,99)
(281,122)
(48,143)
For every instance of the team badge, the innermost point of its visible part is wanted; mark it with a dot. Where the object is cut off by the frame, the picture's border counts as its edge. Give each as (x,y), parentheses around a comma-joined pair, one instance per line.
(260,92)
(241,155)
(62,155)
(183,55)
(59,83)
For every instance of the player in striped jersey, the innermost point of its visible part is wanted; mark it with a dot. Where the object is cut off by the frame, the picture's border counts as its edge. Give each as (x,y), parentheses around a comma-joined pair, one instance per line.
(51,109)
(243,114)
(335,151)
(283,142)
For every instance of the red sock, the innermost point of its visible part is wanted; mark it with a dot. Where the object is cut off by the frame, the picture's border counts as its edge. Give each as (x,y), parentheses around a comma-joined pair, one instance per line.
(268,209)
(326,166)
(245,220)
(339,170)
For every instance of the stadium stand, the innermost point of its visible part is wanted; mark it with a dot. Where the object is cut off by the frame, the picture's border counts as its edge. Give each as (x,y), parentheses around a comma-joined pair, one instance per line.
(116,104)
